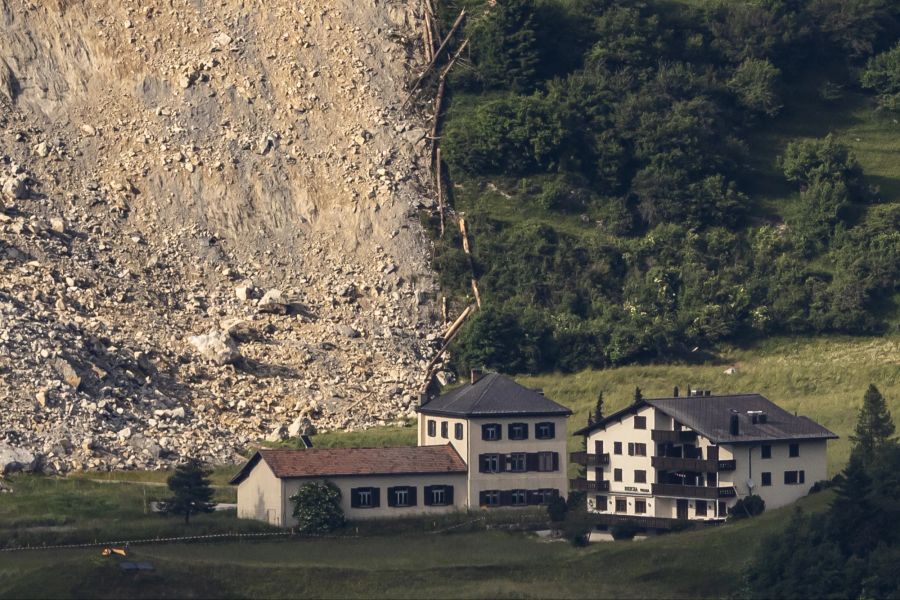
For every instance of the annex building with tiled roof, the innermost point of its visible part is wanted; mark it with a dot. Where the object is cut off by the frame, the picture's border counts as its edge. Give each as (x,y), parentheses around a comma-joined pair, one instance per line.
(693,457)
(488,443)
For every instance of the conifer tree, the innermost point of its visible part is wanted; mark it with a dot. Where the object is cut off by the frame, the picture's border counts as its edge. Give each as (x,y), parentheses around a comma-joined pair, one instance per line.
(598,409)
(874,426)
(192,491)
(638,395)
(505,46)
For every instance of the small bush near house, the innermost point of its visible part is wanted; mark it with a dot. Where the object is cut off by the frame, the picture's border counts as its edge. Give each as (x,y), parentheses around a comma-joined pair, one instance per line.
(317,507)
(750,506)
(625,531)
(557,509)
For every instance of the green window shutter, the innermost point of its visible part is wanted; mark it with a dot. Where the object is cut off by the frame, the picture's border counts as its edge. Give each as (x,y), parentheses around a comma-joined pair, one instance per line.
(552,430)
(531,461)
(556,461)
(448,492)
(482,498)
(412,495)
(391,500)
(506,498)
(376,497)
(427,491)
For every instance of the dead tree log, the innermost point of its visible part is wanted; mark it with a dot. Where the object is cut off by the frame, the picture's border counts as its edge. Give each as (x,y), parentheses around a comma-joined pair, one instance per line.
(437,55)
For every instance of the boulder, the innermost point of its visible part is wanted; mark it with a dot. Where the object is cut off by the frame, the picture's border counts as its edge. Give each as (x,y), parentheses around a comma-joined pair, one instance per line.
(301,426)
(67,372)
(272,302)
(15,187)
(16,459)
(217,347)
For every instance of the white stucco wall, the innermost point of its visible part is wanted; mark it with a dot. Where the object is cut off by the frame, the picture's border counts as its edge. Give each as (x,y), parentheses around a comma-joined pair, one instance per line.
(460,445)
(813,461)
(625,433)
(259,496)
(531,480)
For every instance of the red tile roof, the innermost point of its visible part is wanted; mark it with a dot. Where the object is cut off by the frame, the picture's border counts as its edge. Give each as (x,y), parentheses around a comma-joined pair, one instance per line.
(330,462)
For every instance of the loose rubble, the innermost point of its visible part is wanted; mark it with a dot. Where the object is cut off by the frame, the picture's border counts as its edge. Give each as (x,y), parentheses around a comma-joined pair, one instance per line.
(208,228)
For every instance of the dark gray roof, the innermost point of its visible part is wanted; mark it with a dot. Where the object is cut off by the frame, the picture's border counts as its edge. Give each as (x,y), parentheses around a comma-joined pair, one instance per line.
(493,395)
(710,416)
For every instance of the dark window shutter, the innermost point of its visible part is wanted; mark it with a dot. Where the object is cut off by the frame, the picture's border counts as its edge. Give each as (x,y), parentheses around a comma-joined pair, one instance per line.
(630,448)
(531,461)
(552,430)
(501,462)
(524,431)
(354,498)
(556,461)
(482,498)
(413,501)
(534,497)
(392,500)
(802,476)
(376,497)
(505,498)
(427,491)
(448,494)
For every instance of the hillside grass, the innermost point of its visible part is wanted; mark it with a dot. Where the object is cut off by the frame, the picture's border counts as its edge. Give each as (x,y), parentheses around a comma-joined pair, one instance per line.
(823,378)
(702,563)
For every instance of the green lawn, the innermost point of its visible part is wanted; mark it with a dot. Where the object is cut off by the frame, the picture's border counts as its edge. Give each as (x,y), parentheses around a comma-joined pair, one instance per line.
(704,563)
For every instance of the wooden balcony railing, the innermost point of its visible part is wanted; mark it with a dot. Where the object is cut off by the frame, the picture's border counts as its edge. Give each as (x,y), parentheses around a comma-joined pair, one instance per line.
(583,485)
(673,437)
(674,463)
(693,491)
(588,459)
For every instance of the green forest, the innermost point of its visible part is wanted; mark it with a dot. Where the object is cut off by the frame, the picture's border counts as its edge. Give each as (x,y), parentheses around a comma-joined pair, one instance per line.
(646,180)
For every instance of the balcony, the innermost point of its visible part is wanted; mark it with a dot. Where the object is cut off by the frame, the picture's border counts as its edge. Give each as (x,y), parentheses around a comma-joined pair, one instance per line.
(699,465)
(589,460)
(673,437)
(583,485)
(693,491)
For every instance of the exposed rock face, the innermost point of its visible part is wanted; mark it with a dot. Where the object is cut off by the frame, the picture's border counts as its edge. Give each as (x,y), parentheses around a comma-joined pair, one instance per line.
(161,156)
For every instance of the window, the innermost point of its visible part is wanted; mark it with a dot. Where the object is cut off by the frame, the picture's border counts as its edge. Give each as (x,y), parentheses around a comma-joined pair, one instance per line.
(640,449)
(517,462)
(712,479)
(458,431)
(621,505)
(766,451)
(367,497)
(640,476)
(432,428)
(489,498)
(519,498)
(545,431)
(794,477)
(630,448)
(794,450)
(444,427)
(701,508)
(489,463)
(617,474)
(766,479)
(518,431)
(542,496)
(548,461)
(640,422)
(640,507)
(402,496)
(617,447)
(491,432)
(438,495)
(600,503)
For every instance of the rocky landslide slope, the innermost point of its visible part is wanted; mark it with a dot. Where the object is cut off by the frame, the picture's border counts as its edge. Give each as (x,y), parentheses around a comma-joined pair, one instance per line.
(208,230)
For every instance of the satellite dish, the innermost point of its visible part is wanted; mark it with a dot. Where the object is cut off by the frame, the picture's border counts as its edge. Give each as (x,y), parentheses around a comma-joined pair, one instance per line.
(750,484)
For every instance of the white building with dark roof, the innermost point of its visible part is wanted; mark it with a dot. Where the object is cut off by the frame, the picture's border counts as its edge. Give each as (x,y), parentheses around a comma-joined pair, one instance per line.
(486,444)
(693,457)
(513,439)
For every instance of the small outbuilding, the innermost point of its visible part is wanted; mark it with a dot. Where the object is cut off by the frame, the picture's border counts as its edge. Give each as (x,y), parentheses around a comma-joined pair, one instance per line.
(374,482)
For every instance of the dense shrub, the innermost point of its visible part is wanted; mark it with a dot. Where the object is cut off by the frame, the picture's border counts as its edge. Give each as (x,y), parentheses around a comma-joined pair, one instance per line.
(625,530)
(882,74)
(749,506)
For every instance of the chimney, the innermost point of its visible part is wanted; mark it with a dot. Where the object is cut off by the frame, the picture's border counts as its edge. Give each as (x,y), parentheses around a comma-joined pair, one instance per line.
(476,375)
(735,425)
(675,392)
(423,399)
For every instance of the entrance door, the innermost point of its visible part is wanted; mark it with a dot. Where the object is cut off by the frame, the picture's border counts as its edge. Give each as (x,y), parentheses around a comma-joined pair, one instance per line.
(681,509)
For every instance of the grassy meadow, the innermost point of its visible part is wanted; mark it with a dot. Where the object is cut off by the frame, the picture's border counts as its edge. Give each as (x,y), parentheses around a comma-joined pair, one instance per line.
(702,563)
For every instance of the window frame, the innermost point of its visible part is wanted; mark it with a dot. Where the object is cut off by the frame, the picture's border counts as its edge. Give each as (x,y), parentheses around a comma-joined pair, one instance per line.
(624,505)
(491,498)
(543,457)
(445,430)
(601,503)
(697,511)
(431,426)
(617,474)
(640,506)
(458,432)
(640,422)
(765,479)
(491,432)
(794,450)
(368,494)
(490,462)
(798,476)
(550,430)
(521,430)
(516,495)
(643,476)
(435,492)
(617,448)
(640,449)
(765,451)
(397,495)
